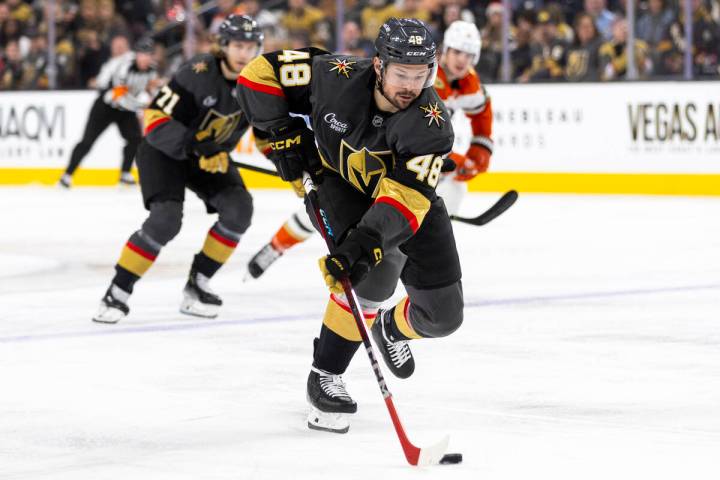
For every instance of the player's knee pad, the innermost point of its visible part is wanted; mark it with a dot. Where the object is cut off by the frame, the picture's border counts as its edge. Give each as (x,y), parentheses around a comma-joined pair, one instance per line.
(164,221)
(437,312)
(235,209)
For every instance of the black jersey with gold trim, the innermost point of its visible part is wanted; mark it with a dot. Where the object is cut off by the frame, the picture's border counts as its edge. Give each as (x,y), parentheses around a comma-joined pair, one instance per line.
(394,158)
(197,98)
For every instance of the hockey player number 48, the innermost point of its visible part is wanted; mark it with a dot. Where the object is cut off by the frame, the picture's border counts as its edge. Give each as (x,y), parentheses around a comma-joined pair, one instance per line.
(426,167)
(294,74)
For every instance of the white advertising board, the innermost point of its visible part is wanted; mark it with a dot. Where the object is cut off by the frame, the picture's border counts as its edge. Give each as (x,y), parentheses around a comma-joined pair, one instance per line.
(648,127)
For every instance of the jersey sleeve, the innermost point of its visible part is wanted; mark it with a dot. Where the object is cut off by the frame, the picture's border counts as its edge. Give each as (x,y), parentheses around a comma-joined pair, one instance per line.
(477,105)
(276,84)
(167,120)
(420,137)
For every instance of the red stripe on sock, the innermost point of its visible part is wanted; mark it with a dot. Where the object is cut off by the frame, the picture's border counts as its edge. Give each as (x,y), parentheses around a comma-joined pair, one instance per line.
(141,252)
(346,307)
(225,241)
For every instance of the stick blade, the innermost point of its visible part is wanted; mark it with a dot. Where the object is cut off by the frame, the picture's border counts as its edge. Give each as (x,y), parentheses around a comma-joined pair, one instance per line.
(431,455)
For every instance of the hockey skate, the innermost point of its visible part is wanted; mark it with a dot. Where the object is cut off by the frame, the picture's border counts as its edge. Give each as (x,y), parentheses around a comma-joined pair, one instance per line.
(397,354)
(113,306)
(262,261)
(126,178)
(330,402)
(198,299)
(65,181)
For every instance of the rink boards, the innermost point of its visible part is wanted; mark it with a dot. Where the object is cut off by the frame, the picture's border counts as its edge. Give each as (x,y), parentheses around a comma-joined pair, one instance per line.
(644,138)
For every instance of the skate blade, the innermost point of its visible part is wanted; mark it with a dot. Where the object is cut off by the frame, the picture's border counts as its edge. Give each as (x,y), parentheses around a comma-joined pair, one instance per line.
(328,422)
(191,306)
(108,315)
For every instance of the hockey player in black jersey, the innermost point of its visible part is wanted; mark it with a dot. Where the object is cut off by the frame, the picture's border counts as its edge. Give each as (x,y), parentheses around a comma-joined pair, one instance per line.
(382,133)
(124,84)
(190,128)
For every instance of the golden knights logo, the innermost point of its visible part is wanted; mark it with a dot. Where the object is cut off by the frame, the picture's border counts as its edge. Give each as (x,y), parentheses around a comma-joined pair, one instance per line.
(199,67)
(342,66)
(364,169)
(433,113)
(220,127)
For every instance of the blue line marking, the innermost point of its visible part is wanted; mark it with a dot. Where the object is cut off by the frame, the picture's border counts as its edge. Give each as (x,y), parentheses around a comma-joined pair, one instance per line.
(107,330)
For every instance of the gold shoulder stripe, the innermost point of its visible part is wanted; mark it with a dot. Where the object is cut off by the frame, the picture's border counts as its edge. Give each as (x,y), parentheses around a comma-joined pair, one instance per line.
(411,203)
(260,71)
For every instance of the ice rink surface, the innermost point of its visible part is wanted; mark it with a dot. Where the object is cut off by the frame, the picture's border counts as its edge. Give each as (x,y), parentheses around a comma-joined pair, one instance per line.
(590,350)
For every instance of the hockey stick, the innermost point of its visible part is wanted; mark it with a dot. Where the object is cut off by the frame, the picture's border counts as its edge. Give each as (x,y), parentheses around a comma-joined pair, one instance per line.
(414,455)
(247,166)
(505,202)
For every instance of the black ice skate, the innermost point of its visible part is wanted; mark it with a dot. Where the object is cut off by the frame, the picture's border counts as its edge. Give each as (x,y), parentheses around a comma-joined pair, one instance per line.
(198,299)
(330,401)
(113,306)
(397,354)
(262,261)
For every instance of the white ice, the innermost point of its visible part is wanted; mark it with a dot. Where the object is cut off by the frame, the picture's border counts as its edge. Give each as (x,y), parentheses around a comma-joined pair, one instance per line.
(590,350)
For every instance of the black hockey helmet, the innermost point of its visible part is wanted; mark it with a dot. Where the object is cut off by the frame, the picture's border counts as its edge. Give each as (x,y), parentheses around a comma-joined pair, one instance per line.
(407,41)
(144,45)
(240,27)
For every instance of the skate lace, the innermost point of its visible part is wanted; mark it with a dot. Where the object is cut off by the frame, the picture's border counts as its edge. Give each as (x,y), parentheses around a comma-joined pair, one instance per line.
(333,385)
(399,352)
(266,256)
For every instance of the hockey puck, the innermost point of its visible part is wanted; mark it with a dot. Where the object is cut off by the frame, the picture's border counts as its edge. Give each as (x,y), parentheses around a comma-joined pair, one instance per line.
(451,459)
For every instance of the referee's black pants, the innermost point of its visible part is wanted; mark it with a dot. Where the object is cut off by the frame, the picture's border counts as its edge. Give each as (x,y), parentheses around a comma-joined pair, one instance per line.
(101,116)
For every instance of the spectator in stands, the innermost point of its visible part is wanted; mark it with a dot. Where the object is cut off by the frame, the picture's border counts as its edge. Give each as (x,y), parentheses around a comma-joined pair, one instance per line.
(613,54)
(36,75)
(583,57)
(492,44)
(302,18)
(705,37)
(409,9)
(564,31)
(222,10)
(91,53)
(110,22)
(373,16)
(548,51)
(353,41)
(138,15)
(653,27)
(521,54)
(603,17)
(262,16)
(11,77)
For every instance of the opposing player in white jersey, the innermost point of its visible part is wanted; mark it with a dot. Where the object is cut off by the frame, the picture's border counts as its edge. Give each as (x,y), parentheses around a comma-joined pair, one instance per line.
(460,88)
(123,83)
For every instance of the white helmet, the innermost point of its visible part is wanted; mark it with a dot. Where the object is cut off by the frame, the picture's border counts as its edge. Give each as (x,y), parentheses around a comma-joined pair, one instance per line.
(463,36)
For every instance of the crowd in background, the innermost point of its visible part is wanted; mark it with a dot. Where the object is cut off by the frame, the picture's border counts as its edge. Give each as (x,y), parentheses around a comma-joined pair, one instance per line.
(560,40)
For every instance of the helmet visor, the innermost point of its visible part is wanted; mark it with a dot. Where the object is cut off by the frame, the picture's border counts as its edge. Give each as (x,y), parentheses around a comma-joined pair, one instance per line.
(409,77)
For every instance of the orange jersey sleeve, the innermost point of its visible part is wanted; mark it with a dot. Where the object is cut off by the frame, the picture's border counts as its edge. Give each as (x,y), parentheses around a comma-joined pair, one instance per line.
(469,95)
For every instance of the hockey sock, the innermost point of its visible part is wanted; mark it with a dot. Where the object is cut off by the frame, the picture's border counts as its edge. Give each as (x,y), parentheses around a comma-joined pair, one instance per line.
(219,245)
(136,258)
(291,233)
(398,325)
(339,337)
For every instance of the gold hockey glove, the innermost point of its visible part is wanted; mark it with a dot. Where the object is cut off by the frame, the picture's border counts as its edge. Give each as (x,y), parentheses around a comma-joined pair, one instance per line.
(354,258)
(216,163)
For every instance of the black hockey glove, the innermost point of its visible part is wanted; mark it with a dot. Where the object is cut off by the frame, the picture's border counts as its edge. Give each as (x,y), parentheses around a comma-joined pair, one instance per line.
(202,144)
(354,258)
(293,151)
